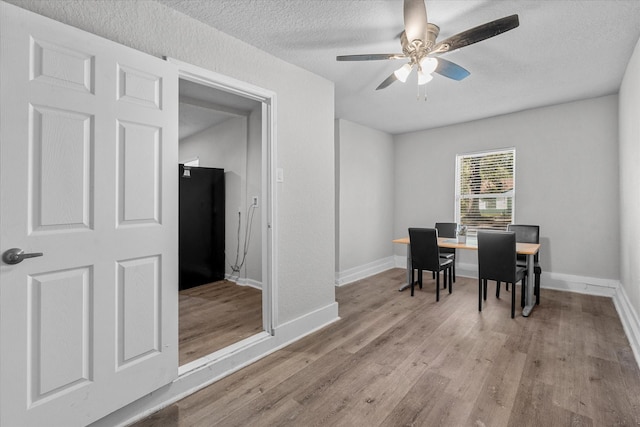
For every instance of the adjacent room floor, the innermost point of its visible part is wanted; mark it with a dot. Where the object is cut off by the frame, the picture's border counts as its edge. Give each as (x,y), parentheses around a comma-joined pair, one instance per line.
(216,315)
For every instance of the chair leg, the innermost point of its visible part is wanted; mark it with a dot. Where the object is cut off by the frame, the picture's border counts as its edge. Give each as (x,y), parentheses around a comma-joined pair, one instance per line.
(453,268)
(452,278)
(480,286)
(484,288)
(523,292)
(413,282)
(498,289)
(513,300)
(444,276)
(420,278)
(536,289)
(437,286)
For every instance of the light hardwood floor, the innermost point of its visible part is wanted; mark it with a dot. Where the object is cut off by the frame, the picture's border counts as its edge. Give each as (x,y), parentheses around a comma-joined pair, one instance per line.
(393,360)
(216,315)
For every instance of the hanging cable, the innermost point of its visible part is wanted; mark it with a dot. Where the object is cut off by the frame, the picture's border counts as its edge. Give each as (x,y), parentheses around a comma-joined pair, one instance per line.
(237,265)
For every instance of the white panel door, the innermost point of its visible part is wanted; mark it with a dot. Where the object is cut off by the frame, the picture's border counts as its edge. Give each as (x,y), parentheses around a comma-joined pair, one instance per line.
(88,177)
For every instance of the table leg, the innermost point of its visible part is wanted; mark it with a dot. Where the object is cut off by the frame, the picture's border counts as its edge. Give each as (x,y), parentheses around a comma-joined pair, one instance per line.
(530,298)
(408,284)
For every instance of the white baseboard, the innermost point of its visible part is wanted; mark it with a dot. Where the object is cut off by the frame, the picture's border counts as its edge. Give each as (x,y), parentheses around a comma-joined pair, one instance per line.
(560,281)
(579,284)
(352,274)
(203,372)
(556,281)
(243,281)
(629,319)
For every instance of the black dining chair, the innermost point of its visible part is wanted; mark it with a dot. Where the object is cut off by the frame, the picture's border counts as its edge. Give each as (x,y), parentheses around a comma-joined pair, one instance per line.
(448,229)
(425,255)
(529,234)
(497,261)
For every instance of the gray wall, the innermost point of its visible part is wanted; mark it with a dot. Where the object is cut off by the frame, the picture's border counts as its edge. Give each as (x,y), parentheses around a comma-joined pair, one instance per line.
(366,196)
(566,180)
(630,181)
(305,200)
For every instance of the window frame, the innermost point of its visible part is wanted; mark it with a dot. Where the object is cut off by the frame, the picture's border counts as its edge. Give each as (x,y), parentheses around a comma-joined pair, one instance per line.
(458,197)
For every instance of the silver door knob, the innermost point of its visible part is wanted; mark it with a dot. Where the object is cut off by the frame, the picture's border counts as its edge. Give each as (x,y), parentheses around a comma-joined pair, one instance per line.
(16,255)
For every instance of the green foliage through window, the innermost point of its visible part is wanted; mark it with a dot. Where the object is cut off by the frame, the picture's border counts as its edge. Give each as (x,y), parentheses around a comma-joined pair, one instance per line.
(485,187)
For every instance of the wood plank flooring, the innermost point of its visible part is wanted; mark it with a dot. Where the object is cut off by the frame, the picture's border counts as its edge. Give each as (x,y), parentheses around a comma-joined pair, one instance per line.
(393,360)
(216,315)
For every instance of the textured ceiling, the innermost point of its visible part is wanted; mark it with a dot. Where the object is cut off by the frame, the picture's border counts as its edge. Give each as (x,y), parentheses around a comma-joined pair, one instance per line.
(562,51)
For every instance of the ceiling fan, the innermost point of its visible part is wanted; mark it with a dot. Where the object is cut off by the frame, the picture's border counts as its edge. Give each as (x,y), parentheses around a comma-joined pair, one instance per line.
(419,46)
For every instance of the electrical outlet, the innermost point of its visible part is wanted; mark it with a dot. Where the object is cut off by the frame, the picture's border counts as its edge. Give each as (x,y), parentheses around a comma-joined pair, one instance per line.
(255,201)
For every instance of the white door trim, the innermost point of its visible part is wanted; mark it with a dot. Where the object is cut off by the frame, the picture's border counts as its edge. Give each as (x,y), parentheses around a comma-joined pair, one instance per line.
(227,84)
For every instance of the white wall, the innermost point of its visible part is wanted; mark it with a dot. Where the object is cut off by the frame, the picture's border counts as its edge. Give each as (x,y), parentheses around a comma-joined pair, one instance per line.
(566,181)
(366,201)
(630,197)
(253,265)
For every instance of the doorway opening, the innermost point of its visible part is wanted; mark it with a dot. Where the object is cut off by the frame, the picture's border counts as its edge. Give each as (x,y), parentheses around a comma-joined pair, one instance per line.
(225,152)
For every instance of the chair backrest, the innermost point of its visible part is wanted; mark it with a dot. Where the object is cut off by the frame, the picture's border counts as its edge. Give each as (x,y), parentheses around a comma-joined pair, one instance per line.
(447,229)
(497,255)
(526,234)
(425,254)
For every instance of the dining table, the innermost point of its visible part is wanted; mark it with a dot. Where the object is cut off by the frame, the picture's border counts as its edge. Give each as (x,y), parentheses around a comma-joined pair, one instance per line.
(471,243)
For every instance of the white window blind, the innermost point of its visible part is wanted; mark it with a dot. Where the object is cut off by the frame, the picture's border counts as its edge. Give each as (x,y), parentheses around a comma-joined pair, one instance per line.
(485,189)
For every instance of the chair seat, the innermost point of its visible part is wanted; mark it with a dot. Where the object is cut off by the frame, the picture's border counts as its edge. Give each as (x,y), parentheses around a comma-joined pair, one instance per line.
(537,271)
(448,229)
(425,256)
(529,234)
(521,272)
(445,262)
(536,266)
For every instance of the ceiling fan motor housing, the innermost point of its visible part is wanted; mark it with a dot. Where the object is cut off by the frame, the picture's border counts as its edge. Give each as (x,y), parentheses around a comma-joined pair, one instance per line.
(417,49)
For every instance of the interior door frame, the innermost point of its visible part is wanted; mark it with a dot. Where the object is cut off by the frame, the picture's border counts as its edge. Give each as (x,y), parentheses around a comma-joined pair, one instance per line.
(218,81)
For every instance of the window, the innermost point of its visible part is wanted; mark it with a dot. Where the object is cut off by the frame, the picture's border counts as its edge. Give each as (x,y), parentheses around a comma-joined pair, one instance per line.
(485,189)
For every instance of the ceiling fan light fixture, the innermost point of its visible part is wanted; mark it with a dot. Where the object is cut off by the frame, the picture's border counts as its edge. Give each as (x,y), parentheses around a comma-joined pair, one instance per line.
(403,72)
(428,65)
(424,78)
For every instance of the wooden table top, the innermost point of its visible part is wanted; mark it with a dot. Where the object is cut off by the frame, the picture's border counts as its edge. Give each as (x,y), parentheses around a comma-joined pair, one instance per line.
(472,244)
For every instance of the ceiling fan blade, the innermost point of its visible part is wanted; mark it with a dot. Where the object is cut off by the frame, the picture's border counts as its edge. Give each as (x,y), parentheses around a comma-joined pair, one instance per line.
(392,78)
(415,20)
(477,34)
(370,57)
(451,70)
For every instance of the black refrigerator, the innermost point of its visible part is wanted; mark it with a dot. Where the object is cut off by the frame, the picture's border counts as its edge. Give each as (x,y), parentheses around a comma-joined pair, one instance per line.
(201,247)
